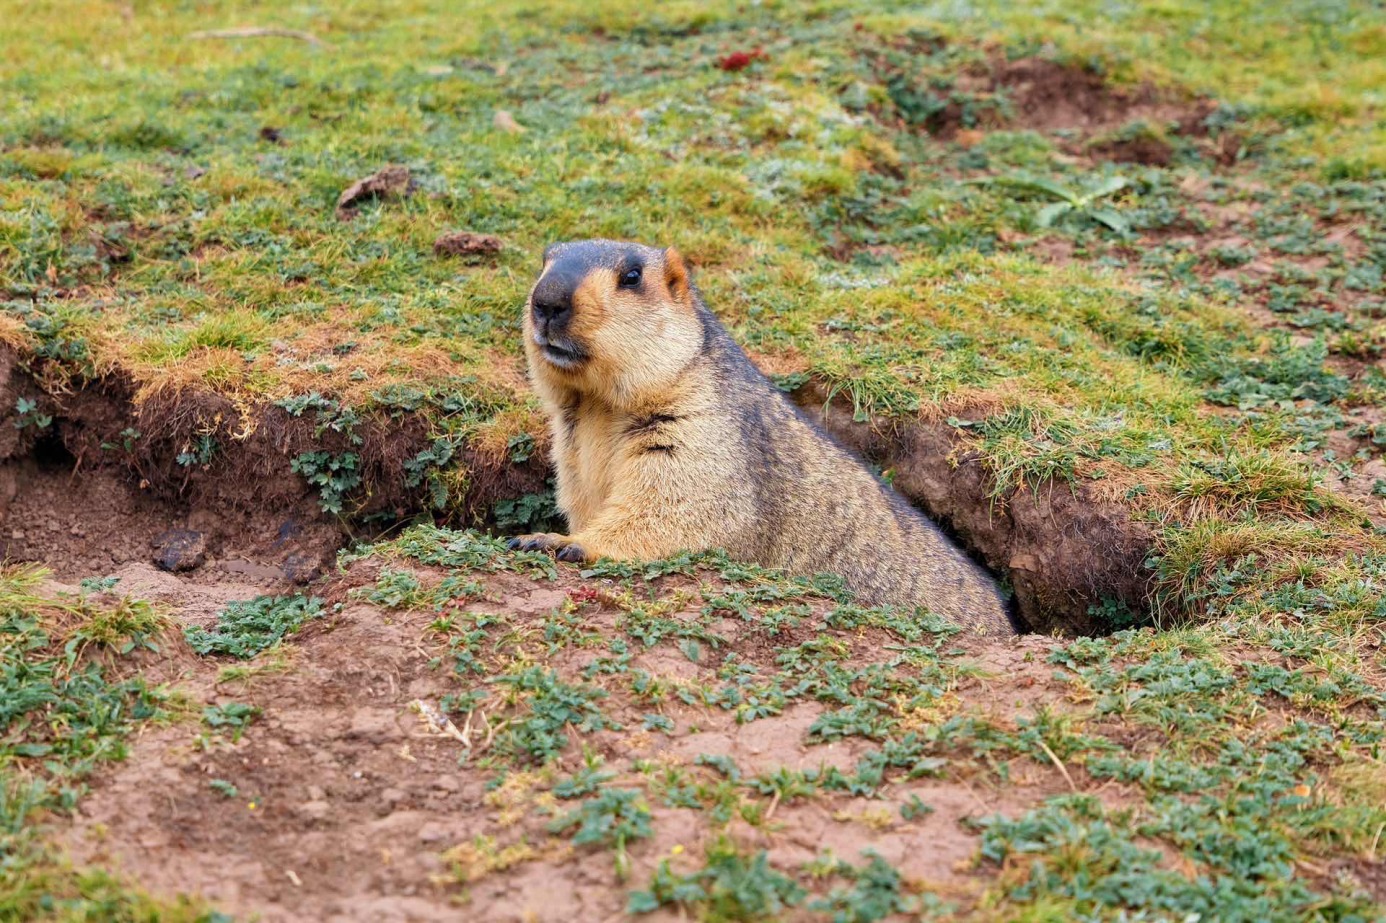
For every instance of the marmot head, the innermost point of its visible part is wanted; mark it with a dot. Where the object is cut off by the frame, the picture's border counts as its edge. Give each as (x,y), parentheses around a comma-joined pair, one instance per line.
(611,318)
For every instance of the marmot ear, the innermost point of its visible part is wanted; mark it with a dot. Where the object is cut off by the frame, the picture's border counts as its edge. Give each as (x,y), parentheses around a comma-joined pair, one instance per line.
(676,276)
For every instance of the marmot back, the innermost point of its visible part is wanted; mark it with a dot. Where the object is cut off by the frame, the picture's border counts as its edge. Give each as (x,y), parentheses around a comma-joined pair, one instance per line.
(666,438)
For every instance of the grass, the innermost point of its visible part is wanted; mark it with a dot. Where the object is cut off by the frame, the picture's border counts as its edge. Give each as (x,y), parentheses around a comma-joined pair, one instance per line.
(873,213)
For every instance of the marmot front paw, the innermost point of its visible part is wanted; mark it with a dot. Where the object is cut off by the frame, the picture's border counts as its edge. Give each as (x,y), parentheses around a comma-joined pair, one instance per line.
(560,546)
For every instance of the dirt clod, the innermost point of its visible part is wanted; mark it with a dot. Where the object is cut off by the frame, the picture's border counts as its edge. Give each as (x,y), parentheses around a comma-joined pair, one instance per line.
(386,183)
(302,569)
(180,550)
(465,244)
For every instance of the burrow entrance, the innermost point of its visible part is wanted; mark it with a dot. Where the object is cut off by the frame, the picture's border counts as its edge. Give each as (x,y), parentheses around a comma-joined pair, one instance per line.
(89,484)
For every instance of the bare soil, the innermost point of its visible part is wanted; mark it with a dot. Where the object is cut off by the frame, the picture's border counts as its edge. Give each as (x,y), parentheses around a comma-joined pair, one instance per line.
(348,802)
(92,524)
(1050,96)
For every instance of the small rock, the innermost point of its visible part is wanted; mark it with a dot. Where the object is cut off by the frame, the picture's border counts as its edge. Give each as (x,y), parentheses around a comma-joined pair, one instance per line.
(271,134)
(504,121)
(317,793)
(387,182)
(466,244)
(302,569)
(447,784)
(180,550)
(393,796)
(194,171)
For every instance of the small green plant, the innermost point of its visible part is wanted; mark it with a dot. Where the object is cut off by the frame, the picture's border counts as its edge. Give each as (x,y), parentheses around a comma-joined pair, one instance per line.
(233,716)
(538,733)
(199,452)
(98,584)
(877,893)
(1080,205)
(224,788)
(244,629)
(27,414)
(128,437)
(613,818)
(915,807)
(730,886)
(335,476)
(585,781)
(423,470)
(521,447)
(395,589)
(529,513)
(653,722)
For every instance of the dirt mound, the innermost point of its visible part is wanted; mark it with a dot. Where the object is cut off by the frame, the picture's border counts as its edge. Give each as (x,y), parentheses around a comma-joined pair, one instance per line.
(1091,115)
(1049,96)
(343,801)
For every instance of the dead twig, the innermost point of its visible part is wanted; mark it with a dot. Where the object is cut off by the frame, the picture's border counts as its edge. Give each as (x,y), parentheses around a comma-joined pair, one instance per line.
(261,32)
(1059,764)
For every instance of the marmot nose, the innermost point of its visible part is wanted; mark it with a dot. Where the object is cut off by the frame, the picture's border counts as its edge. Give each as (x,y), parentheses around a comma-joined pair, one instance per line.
(551,310)
(553,303)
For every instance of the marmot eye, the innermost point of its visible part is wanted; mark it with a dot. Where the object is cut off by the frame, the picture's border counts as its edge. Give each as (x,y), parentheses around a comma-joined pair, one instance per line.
(631,277)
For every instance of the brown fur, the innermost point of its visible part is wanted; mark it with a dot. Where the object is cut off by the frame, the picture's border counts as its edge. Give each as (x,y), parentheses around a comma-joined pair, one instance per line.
(667,438)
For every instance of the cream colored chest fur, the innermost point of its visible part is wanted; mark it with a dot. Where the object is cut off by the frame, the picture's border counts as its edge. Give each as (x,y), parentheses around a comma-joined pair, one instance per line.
(587,462)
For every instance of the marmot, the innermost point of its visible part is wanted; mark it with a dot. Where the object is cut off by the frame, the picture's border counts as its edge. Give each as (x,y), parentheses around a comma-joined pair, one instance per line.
(667,438)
